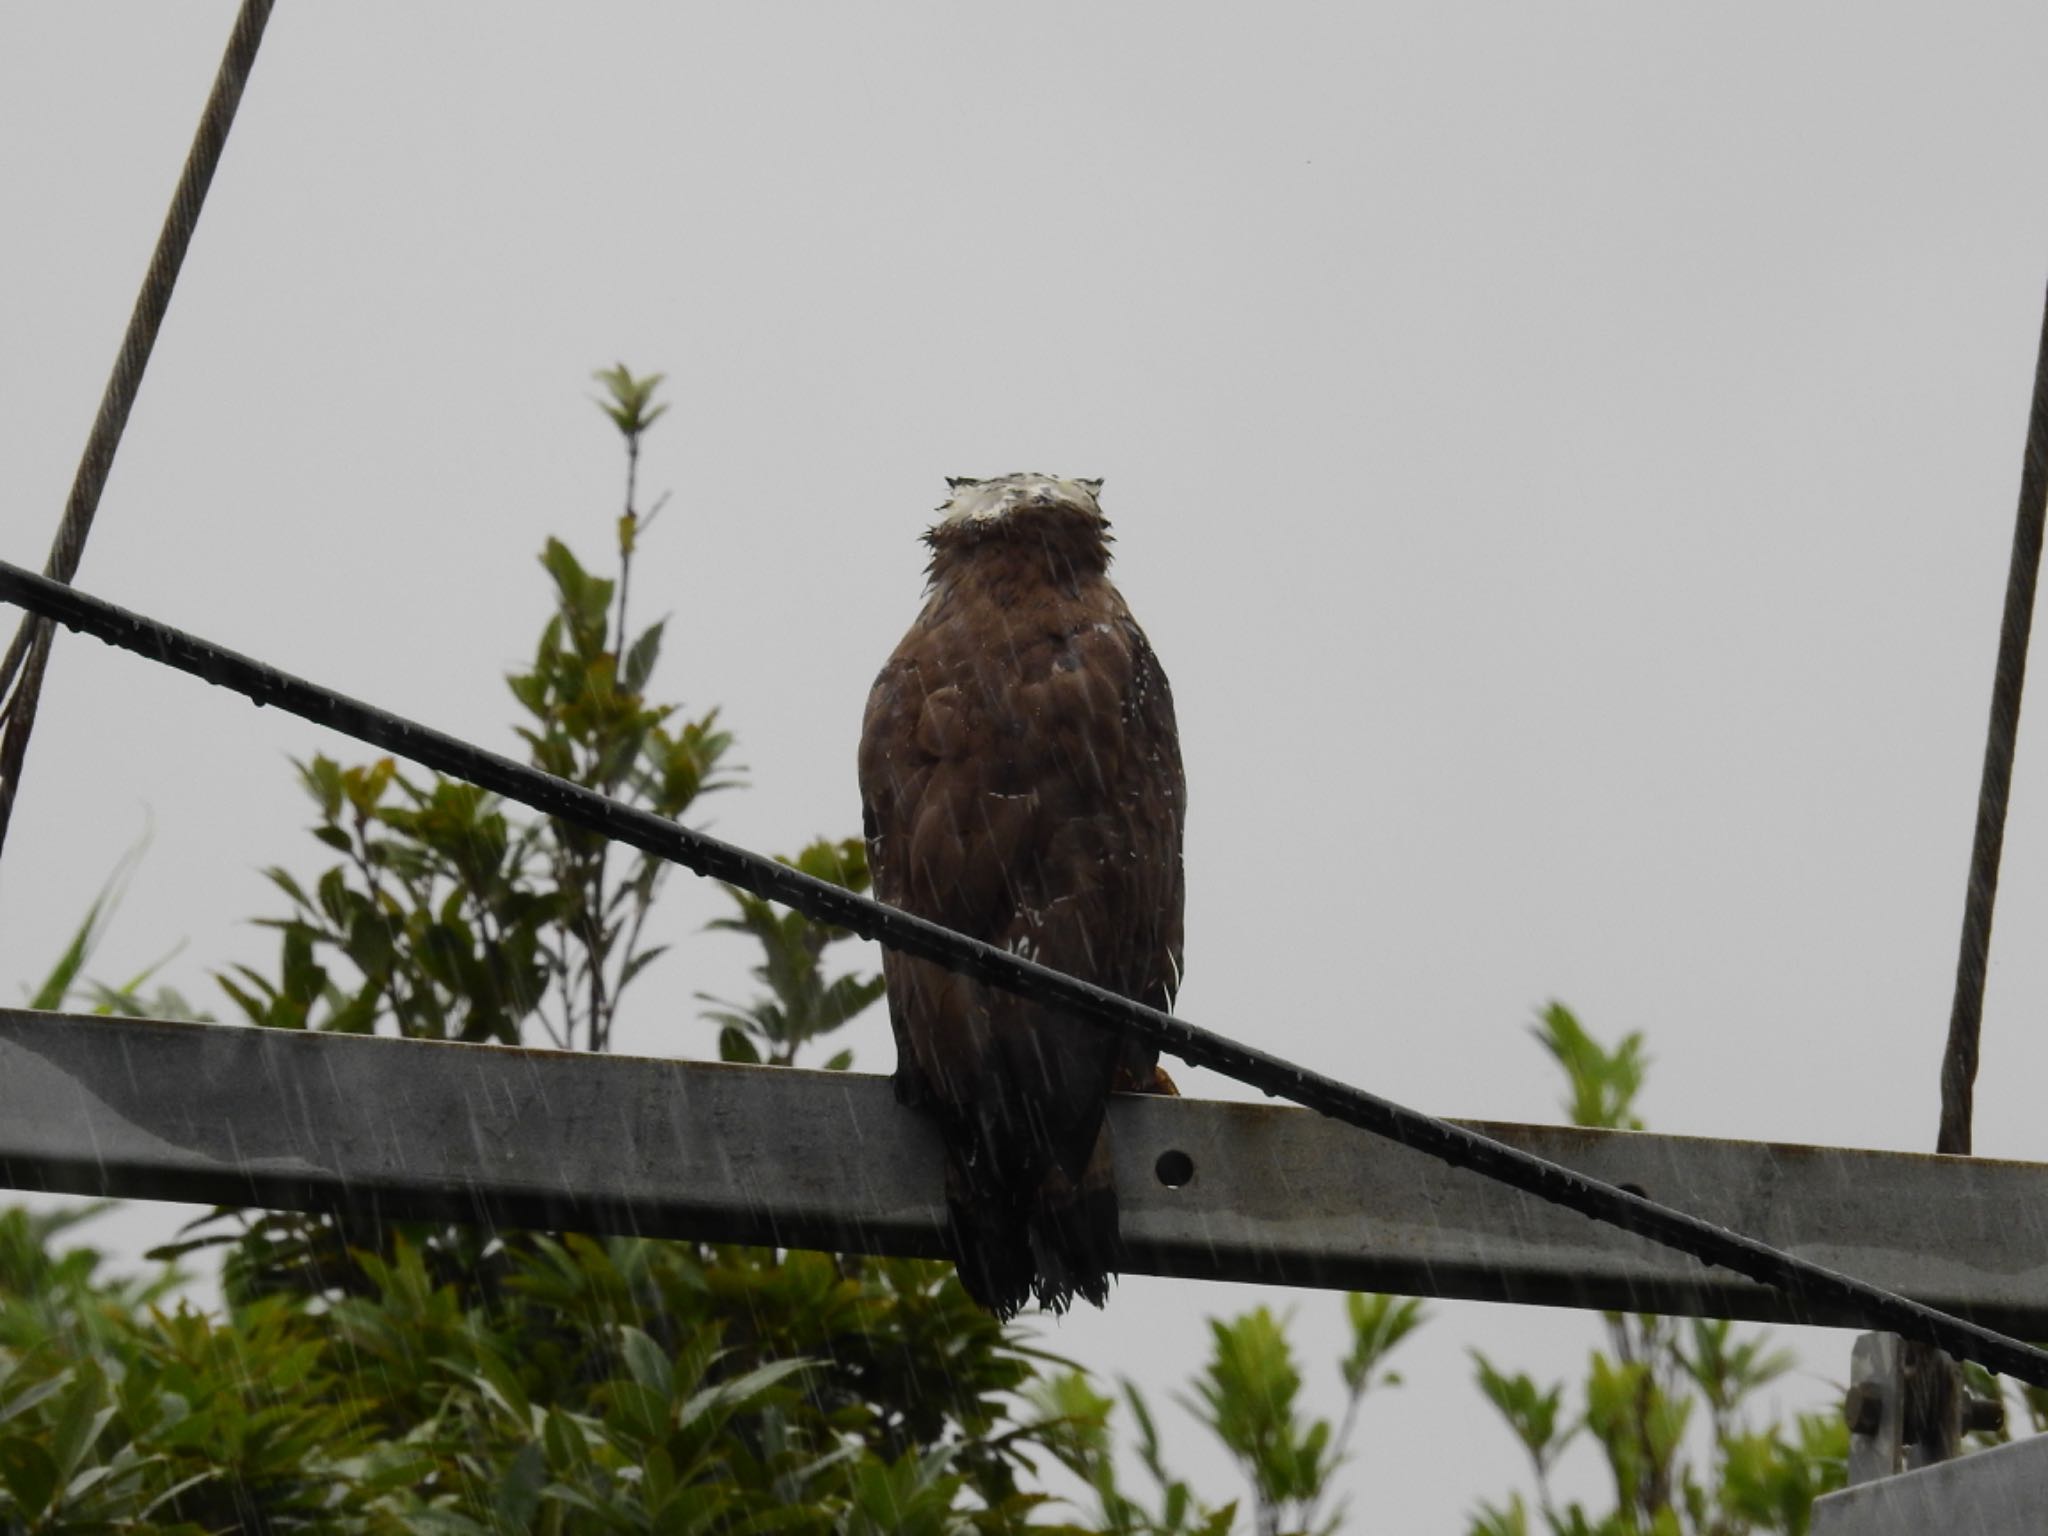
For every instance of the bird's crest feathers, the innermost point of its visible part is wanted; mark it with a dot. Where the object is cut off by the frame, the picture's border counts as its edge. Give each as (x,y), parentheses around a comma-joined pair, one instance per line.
(980,502)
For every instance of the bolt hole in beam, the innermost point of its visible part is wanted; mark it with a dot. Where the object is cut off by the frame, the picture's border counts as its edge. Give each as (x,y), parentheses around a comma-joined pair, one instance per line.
(402,1130)
(1637,1190)
(1175,1168)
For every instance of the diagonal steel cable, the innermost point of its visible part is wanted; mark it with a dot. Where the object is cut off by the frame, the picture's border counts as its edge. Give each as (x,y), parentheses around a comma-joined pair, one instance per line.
(1966,1012)
(28,654)
(764,877)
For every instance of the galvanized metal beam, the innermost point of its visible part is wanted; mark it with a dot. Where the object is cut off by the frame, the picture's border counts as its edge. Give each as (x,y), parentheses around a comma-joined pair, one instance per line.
(1215,1191)
(1999,1492)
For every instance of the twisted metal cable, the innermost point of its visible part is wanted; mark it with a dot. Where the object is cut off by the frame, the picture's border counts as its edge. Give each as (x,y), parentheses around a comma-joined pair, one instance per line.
(22,709)
(910,935)
(1966,1013)
(28,653)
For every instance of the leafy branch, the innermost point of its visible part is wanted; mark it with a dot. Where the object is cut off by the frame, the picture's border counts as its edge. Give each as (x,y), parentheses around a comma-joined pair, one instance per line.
(1642,1396)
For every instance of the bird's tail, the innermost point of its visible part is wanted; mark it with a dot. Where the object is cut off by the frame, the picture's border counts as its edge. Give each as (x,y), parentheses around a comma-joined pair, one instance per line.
(1046,1234)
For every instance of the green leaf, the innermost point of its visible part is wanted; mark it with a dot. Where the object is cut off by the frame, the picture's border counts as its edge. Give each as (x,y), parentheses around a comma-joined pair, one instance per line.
(629,406)
(365,787)
(639,963)
(28,1473)
(284,882)
(257,1009)
(79,1422)
(640,659)
(322,780)
(844,999)
(1603,1084)
(567,1448)
(334,896)
(498,1382)
(1378,1324)
(57,985)
(741,1390)
(1246,1396)
(1495,1520)
(1530,1412)
(517,1498)
(28,1397)
(842,863)
(646,1361)
(639,1414)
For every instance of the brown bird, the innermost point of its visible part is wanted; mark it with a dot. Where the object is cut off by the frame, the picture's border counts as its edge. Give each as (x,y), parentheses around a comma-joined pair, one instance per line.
(1021,782)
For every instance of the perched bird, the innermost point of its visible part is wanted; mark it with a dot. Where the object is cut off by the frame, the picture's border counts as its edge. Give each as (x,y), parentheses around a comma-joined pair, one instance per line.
(1021,782)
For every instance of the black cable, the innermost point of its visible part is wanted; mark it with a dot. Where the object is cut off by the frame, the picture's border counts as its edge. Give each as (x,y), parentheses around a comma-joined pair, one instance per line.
(1966,1012)
(823,902)
(31,642)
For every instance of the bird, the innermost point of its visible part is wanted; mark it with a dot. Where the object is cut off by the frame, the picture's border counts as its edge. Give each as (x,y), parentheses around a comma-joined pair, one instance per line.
(1021,782)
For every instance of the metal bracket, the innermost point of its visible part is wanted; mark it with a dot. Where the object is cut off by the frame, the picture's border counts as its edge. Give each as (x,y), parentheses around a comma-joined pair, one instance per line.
(1875,1408)
(1907,1408)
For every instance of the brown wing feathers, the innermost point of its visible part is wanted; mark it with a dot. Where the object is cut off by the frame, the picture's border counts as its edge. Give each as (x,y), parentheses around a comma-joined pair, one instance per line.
(1021,781)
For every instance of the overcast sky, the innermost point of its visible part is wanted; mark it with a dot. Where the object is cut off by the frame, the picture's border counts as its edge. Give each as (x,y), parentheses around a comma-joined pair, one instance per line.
(1563,453)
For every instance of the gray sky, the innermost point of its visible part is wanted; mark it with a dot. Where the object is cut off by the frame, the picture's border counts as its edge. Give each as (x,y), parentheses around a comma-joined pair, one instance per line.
(1564,455)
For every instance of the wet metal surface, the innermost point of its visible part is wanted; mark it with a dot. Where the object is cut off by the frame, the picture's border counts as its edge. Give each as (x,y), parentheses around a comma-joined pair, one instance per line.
(231,1115)
(1999,1492)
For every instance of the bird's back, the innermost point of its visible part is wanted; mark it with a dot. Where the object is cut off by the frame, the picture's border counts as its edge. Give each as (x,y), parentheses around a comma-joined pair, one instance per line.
(1021,782)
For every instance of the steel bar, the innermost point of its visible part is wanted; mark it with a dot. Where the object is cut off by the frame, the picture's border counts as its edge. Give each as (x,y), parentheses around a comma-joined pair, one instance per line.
(519,1138)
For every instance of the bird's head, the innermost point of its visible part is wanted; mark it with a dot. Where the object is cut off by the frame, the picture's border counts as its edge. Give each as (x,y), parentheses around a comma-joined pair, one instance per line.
(983,503)
(1062,517)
